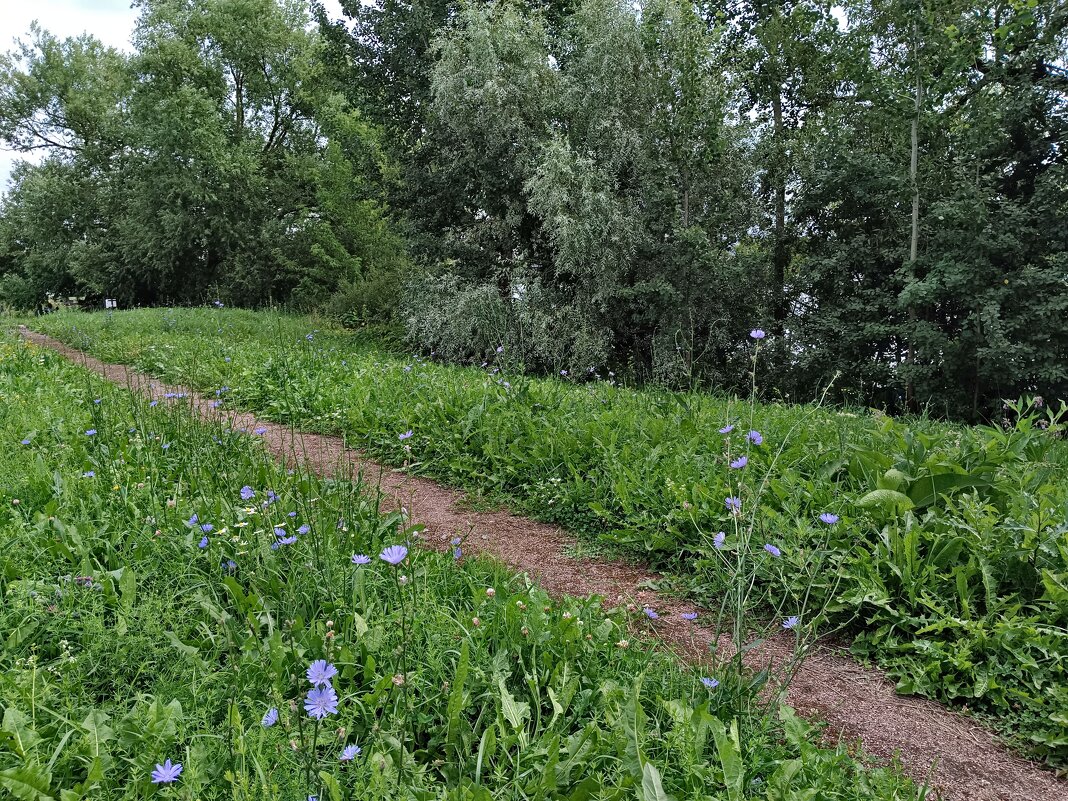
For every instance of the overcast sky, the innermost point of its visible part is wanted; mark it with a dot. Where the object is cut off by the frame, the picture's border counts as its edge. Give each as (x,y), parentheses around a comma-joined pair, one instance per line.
(111,21)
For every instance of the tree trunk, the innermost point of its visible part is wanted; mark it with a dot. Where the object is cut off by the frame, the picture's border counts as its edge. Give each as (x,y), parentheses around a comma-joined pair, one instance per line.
(781,255)
(914,243)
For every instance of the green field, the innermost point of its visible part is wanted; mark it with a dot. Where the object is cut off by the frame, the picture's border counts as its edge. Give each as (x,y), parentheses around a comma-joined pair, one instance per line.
(948,563)
(166,585)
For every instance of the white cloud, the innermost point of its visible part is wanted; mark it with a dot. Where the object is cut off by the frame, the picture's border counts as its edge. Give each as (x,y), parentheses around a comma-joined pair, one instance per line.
(110,21)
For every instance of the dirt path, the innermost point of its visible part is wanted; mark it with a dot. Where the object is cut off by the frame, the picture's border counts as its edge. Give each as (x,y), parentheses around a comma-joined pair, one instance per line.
(965,761)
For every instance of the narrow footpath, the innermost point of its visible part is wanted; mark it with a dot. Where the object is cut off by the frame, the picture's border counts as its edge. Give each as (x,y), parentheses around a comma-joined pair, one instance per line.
(963,759)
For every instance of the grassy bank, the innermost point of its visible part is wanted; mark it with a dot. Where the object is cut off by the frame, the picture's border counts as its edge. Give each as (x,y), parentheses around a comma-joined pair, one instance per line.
(947,560)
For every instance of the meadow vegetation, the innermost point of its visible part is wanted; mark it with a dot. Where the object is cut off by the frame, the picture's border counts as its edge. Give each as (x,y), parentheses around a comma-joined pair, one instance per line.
(183,617)
(940,550)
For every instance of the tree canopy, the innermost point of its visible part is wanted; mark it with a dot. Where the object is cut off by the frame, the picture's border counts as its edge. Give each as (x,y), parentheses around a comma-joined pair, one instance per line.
(879,184)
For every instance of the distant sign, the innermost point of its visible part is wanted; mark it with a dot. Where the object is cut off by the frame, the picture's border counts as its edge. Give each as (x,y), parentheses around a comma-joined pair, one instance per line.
(111,303)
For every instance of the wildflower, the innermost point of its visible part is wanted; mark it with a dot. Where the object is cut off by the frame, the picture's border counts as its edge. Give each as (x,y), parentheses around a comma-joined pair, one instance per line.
(309,337)
(153,403)
(216,404)
(623,644)
(740,462)
(270,717)
(476,622)
(394,554)
(350,753)
(25,442)
(88,474)
(457,553)
(398,680)
(260,431)
(203,542)
(733,503)
(304,529)
(791,622)
(406,435)
(772,549)
(490,592)
(455,541)
(207,528)
(90,432)
(757,333)
(97,401)
(321,701)
(361,559)
(726,429)
(166,773)
(755,437)
(247,493)
(229,565)
(651,613)
(192,521)
(711,684)
(320,672)
(284,541)
(688,616)
(279,532)
(828,518)
(563,373)
(218,304)
(719,539)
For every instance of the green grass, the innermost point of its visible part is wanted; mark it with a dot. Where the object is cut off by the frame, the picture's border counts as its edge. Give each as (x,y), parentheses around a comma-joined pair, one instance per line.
(949,565)
(126,642)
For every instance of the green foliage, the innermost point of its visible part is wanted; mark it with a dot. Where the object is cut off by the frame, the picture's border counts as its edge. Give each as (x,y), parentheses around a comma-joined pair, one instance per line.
(126,643)
(217,158)
(949,564)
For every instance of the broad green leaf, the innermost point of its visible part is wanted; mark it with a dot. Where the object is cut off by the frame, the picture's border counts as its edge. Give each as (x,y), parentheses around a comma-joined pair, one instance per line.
(652,787)
(886,499)
(515,712)
(27,783)
(22,735)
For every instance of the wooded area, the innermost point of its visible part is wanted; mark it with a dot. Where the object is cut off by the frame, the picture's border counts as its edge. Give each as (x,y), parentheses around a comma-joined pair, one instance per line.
(881,185)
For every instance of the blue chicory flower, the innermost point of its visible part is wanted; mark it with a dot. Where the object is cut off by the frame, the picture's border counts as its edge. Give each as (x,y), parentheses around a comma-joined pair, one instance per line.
(755,437)
(740,462)
(733,503)
(828,518)
(320,672)
(321,702)
(791,622)
(350,753)
(394,554)
(247,493)
(772,549)
(361,559)
(270,717)
(167,773)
